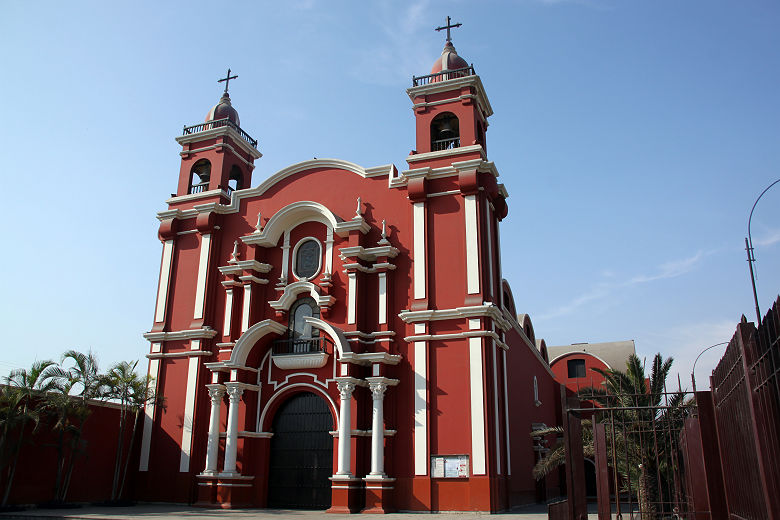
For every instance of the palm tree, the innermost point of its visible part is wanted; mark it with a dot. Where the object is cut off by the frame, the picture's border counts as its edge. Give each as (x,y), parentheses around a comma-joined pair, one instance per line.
(22,402)
(133,393)
(638,408)
(84,375)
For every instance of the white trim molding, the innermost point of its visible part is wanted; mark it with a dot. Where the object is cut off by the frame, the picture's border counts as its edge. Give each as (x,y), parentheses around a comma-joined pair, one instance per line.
(291,292)
(420,403)
(477,392)
(202,333)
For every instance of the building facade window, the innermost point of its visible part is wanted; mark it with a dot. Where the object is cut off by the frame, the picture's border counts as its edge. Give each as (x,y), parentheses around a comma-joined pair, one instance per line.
(308,259)
(576,368)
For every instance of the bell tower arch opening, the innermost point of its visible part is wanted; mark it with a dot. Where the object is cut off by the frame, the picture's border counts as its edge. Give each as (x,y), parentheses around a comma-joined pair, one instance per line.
(301,454)
(200,175)
(445,132)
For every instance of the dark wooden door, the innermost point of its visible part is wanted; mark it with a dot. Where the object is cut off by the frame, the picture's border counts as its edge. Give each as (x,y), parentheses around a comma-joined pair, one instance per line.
(301,454)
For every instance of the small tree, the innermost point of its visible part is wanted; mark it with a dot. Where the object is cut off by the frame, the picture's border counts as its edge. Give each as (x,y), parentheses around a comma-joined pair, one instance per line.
(22,402)
(637,404)
(133,393)
(83,375)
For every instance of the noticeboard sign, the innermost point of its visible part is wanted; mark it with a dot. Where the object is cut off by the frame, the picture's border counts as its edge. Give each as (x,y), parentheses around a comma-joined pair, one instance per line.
(449,466)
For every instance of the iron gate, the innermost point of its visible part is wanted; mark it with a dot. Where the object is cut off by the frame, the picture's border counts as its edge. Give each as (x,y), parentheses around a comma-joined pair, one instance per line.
(647,456)
(301,458)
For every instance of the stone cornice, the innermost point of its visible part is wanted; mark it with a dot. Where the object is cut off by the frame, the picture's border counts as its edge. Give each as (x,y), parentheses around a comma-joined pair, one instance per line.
(220,131)
(473,81)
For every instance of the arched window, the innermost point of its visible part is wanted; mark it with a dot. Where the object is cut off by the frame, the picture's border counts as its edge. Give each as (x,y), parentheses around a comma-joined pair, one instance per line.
(308,259)
(235,181)
(302,336)
(445,132)
(199,176)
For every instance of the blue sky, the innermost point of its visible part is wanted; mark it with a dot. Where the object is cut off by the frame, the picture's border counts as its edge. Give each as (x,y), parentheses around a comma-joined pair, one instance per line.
(633,137)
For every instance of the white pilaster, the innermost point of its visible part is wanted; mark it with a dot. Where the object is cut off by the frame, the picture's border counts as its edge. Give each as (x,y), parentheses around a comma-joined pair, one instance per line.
(189,409)
(215,393)
(203,267)
(418,214)
(351,297)
(382,298)
(472,244)
(329,251)
(285,257)
(146,439)
(165,279)
(234,391)
(496,416)
(506,416)
(489,260)
(246,306)
(346,387)
(228,311)
(477,390)
(420,403)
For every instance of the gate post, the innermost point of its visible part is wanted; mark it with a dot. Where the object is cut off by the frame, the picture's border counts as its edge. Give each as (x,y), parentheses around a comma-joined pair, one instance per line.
(575,458)
(602,470)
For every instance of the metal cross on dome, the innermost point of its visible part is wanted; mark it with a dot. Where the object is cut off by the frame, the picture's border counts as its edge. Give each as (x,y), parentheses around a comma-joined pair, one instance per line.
(227,79)
(448,27)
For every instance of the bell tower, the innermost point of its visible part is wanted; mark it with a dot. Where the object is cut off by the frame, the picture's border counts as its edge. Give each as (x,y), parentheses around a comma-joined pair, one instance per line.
(450,104)
(452,184)
(217,155)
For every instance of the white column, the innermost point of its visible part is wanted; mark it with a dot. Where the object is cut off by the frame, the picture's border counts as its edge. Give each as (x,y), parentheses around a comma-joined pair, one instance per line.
(378,389)
(215,393)
(234,391)
(346,388)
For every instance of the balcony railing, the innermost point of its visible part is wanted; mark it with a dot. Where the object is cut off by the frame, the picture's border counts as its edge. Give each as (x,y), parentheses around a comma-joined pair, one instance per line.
(199,188)
(218,123)
(445,144)
(284,347)
(443,76)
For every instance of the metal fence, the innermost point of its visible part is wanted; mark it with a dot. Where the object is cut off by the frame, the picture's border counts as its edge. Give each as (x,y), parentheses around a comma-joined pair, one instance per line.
(639,445)
(746,395)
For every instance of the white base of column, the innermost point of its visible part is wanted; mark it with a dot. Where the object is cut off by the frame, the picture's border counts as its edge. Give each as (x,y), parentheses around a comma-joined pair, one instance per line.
(380,478)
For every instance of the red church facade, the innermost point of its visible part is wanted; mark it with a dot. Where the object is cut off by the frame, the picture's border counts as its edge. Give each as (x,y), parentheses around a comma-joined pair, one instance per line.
(341,337)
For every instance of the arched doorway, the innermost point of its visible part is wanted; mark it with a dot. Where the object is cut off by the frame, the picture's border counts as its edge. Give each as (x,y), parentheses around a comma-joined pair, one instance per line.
(301,458)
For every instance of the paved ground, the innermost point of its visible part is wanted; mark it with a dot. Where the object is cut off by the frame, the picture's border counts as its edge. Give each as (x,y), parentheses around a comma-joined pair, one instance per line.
(174,512)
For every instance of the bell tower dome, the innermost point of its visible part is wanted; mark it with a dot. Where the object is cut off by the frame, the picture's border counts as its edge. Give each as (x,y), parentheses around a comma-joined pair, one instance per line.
(217,155)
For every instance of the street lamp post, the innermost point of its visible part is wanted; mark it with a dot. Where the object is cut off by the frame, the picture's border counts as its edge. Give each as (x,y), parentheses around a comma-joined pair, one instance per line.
(751,256)
(693,377)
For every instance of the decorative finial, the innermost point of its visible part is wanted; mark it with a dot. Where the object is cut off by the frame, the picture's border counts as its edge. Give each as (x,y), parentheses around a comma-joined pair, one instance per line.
(234,254)
(448,27)
(384,241)
(359,210)
(227,78)
(259,225)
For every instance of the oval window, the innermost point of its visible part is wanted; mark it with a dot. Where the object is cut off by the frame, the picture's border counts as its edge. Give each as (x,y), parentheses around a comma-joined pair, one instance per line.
(307,259)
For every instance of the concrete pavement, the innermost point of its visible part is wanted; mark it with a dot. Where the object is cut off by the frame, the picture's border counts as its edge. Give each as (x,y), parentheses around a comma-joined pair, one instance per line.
(181,512)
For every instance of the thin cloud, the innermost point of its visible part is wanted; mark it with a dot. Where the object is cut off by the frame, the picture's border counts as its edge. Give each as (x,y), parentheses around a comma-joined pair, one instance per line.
(671,269)
(771,239)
